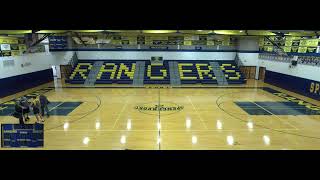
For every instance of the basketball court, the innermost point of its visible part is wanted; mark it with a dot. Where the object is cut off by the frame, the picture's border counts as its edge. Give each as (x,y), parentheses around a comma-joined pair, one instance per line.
(161,89)
(206,117)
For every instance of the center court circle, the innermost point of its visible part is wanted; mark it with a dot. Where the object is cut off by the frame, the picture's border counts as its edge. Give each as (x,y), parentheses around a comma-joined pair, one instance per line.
(153,108)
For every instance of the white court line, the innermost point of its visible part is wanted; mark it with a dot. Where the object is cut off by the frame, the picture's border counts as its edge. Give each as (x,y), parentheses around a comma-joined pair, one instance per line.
(275,115)
(118,117)
(204,124)
(202,130)
(55,106)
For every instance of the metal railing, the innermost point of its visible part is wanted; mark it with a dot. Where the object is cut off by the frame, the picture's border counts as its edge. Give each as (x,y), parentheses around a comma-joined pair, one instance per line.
(74,60)
(237,60)
(275,57)
(277,48)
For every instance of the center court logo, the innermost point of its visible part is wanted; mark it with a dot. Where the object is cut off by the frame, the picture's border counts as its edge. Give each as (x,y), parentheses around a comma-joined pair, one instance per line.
(165,108)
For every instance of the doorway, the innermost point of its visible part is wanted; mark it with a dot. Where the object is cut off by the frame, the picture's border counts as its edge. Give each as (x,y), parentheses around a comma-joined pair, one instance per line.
(248,71)
(56,72)
(262,71)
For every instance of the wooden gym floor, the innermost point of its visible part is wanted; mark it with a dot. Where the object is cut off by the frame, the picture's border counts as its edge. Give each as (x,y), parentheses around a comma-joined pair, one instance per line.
(199,118)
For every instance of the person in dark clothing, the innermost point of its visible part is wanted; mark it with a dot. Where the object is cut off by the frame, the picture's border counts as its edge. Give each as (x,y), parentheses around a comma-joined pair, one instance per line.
(44,105)
(26,107)
(18,112)
(35,104)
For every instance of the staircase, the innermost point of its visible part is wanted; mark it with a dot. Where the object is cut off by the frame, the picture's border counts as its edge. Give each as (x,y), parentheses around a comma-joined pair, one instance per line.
(74,59)
(139,73)
(174,73)
(221,79)
(91,79)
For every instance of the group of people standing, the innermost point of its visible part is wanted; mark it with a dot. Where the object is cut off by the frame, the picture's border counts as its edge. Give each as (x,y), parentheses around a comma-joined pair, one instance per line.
(39,105)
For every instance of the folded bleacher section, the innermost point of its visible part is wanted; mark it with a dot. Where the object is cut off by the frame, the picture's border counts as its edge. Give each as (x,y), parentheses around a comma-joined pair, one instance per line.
(157,73)
(232,72)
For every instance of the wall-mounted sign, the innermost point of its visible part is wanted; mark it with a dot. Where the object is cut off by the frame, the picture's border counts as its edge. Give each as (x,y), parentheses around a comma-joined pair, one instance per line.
(195,38)
(159,47)
(103,41)
(7,63)
(5,53)
(5,47)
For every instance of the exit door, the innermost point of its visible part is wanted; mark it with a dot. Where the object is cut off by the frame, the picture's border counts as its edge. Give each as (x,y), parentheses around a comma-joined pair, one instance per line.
(262,71)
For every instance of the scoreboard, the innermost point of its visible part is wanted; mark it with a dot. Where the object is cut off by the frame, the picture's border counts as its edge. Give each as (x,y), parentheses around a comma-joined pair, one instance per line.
(57,42)
(22,135)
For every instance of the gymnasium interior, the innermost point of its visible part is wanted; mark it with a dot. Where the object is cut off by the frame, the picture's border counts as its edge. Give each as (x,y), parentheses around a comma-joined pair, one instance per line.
(163,89)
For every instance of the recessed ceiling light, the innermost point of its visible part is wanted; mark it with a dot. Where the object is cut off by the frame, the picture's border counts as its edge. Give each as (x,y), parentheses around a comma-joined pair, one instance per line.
(129,124)
(250,125)
(98,124)
(123,139)
(219,124)
(194,139)
(230,140)
(65,126)
(188,123)
(266,140)
(86,140)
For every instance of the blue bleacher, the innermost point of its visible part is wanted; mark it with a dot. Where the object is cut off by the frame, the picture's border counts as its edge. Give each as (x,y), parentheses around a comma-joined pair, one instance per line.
(157,77)
(113,75)
(194,77)
(78,77)
(109,74)
(235,77)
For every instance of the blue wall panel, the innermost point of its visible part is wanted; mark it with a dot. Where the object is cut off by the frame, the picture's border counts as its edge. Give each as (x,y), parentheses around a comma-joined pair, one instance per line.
(295,84)
(15,84)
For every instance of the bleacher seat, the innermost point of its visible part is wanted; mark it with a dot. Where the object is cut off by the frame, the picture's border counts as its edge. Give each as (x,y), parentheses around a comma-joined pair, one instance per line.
(80,73)
(156,73)
(116,72)
(196,72)
(232,72)
(122,72)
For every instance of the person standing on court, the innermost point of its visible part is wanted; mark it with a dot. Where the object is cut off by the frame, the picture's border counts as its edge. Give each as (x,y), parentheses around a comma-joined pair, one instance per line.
(18,112)
(26,107)
(35,104)
(44,105)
